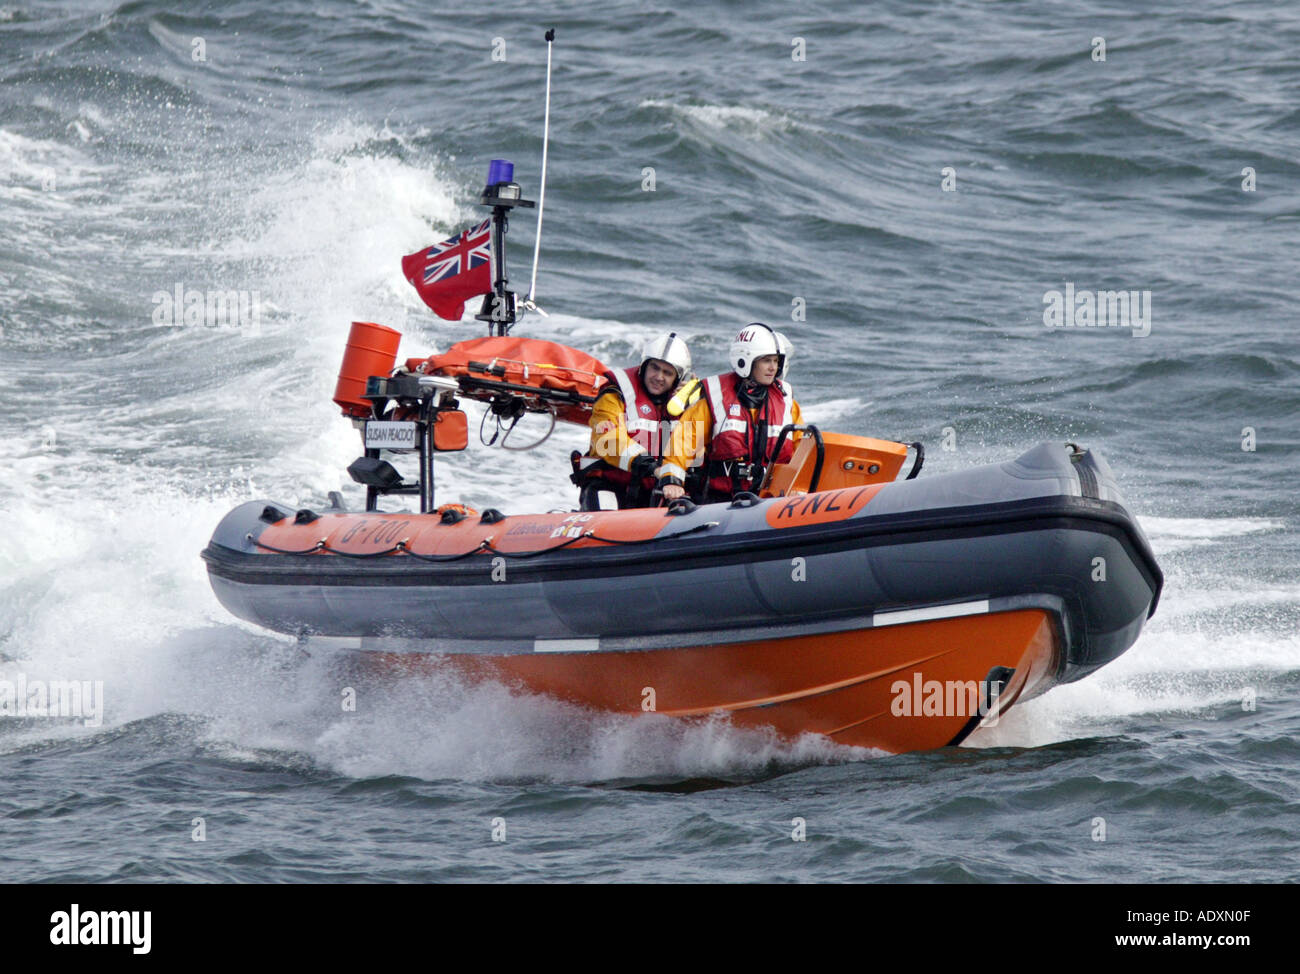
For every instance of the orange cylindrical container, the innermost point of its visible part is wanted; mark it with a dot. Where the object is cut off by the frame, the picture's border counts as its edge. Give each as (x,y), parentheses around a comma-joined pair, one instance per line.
(371,350)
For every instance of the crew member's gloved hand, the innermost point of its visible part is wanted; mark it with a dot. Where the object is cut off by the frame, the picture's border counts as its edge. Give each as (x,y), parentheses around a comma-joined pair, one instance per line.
(671,488)
(644,466)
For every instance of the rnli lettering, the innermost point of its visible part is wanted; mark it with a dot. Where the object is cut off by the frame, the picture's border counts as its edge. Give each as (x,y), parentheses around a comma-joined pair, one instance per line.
(834,505)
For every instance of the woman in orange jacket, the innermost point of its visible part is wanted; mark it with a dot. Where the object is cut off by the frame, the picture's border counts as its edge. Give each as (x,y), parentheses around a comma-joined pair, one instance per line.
(731,432)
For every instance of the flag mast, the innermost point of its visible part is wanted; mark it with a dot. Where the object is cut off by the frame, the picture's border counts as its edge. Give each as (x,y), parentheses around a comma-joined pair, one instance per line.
(502,193)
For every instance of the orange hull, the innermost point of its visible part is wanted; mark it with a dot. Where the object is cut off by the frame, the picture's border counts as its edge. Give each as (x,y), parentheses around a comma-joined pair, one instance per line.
(868,687)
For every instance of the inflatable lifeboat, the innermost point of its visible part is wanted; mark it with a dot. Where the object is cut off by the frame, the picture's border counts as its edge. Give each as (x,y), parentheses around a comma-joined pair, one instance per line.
(842,599)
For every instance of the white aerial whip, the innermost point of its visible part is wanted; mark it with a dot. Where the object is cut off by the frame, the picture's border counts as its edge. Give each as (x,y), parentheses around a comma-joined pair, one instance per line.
(530,304)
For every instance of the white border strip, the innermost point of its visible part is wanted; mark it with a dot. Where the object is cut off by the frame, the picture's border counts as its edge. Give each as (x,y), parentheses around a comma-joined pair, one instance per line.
(901,616)
(566,645)
(336,642)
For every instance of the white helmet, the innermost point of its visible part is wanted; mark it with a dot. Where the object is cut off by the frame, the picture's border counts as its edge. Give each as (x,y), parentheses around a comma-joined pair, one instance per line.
(754,341)
(671,349)
(787,350)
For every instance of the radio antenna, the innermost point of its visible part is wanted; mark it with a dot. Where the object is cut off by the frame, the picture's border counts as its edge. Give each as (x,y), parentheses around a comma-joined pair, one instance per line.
(530,304)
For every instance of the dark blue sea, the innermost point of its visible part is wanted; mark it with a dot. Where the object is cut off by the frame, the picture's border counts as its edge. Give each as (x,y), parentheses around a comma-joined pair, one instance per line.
(898,187)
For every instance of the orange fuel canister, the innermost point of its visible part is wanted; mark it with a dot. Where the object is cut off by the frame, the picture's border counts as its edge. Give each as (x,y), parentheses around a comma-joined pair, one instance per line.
(371,350)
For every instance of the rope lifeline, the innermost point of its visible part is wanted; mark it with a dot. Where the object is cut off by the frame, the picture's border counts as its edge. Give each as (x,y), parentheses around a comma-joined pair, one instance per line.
(485,545)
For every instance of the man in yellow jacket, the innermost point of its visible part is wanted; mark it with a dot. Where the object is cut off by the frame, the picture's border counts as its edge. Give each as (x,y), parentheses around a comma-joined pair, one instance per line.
(630,426)
(730,433)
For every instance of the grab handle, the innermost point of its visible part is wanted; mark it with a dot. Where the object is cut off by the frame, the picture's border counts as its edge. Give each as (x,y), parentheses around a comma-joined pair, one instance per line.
(780,442)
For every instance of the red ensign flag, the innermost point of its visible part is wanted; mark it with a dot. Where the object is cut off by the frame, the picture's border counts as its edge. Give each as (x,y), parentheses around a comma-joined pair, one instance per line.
(448,274)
